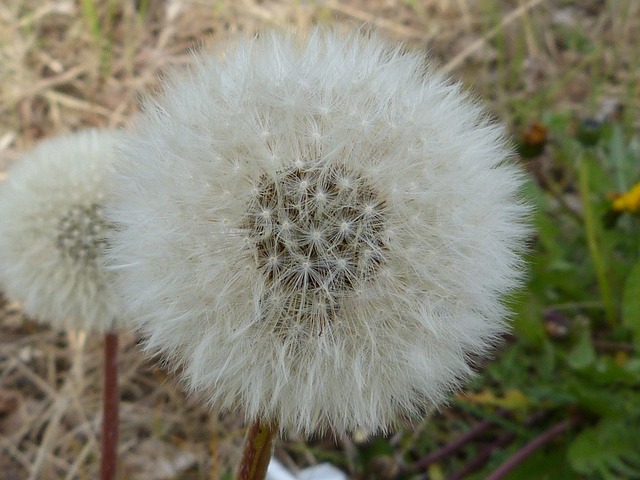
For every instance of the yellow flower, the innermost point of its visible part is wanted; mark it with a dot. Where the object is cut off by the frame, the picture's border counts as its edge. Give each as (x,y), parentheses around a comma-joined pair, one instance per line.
(628,202)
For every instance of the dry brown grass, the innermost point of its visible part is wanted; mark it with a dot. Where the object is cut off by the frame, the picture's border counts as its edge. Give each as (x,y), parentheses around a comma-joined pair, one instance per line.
(63,70)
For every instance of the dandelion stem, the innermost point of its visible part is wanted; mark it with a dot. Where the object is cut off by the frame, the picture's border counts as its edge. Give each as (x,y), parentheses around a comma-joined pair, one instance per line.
(502,441)
(529,449)
(453,446)
(110,407)
(483,456)
(258,449)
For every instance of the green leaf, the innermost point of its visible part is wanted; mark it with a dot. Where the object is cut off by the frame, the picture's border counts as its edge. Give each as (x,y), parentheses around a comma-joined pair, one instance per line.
(610,449)
(528,324)
(583,354)
(547,362)
(375,451)
(631,303)
(600,401)
(607,372)
(621,157)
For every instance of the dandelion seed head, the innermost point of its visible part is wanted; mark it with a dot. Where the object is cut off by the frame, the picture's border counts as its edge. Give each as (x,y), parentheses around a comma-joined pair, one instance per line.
(347,273)
(53,232)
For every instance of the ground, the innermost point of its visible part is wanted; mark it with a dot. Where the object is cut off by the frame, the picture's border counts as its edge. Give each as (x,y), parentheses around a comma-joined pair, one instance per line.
(68,65)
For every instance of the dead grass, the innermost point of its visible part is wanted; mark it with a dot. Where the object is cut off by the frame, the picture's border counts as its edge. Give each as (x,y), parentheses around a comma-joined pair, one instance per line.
(64,68)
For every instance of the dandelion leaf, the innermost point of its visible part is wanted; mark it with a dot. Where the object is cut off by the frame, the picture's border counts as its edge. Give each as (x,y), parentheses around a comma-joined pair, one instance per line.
(608,450)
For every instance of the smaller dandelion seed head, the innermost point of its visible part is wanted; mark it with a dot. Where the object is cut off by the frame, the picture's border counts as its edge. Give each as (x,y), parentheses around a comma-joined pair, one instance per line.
(53,227)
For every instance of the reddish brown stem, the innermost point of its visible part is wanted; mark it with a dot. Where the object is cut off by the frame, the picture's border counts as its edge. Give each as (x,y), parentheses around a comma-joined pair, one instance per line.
(483,456)
(452,447)
(258,449)
(110,403)
(528,449)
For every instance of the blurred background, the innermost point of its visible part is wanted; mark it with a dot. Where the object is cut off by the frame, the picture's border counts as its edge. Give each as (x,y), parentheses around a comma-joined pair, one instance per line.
(561,398)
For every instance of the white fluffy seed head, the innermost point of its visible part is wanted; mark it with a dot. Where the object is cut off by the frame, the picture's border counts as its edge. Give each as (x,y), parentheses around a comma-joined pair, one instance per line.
(52,232)
(319,230)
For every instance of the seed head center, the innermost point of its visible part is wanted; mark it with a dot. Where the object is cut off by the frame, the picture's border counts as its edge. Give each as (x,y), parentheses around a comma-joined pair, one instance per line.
(325,232)
(81,233)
